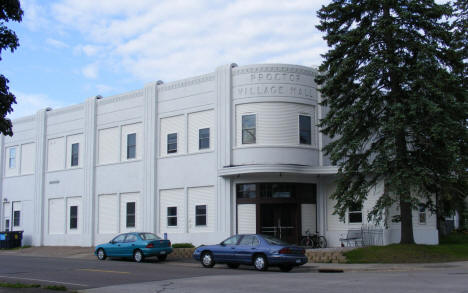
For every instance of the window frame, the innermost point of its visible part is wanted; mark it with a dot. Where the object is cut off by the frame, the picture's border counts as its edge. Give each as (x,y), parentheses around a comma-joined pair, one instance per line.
(203,216)
(17,218)
(130,215)
(73,217)
(12,159)
(131,146)
(200,139)
(246,129)
(300,130)
(172,216)
(72,155)
(170,151)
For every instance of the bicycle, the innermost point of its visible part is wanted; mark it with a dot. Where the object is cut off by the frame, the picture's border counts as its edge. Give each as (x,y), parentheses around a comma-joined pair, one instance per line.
(313,240)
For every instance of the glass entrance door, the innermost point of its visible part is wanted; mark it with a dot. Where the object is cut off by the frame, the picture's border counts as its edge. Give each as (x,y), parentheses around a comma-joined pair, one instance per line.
(280,221)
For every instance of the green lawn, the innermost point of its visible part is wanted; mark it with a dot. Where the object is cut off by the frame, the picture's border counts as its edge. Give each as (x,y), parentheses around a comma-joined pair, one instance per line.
(453,247)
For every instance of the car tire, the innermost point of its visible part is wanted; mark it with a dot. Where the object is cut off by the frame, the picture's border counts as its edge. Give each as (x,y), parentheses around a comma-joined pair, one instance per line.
(138,256)
(285,268)
(260,262)
(233,265)
(101,254)
(207,259)
(162,257)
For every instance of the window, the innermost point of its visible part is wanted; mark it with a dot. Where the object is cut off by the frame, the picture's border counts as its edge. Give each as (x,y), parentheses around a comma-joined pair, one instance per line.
(231,240)
(12,159)
(172,216)
(172,143)
(75,148)
(304,129)
(131,146)
(203,138)
(422,214)
(249,240)
(130,214)
(246,190)
(73,217)
(131,238)
(119,239)
(16,218)
(249,125)
(355,213)
(7,225)
(200,215)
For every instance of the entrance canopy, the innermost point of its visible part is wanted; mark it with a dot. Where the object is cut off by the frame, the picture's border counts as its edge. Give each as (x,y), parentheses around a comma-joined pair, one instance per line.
(276,168)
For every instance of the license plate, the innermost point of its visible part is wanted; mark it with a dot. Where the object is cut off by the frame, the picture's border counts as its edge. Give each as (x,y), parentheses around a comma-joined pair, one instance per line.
(163,252)
(298,261)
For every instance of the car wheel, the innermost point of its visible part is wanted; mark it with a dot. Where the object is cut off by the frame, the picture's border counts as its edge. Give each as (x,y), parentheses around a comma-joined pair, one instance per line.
(138,256)
(233,265)
(285,268)
(207,259)
(101,254)
(162,257)
(260,263)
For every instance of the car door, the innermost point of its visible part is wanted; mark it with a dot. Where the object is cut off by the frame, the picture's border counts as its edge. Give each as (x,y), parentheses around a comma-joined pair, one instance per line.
(129,245)
(247,247)
(225,252)
(115,246)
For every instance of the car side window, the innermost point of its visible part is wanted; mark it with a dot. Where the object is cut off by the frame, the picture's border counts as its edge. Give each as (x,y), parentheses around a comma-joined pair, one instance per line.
(231,241)
(249,240)
(119,239)
(131,238)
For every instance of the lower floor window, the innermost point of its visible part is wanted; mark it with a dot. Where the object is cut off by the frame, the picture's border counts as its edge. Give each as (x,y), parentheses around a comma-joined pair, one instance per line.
(73,217)
(16,218)
(422,214)
(172,216)
(355,213)
(7,225)
(200,215)
(130,214)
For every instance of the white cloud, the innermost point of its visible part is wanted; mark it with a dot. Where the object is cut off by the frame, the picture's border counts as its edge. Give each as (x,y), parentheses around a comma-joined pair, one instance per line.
(30,103)
(91,71)
(56,43)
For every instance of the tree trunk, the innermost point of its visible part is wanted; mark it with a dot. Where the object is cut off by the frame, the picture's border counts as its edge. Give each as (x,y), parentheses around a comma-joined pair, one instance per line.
(406,221)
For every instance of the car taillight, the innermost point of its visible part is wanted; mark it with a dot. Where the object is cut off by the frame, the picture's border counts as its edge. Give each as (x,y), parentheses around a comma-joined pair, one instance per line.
(150,245)
(169,244)
(285,250)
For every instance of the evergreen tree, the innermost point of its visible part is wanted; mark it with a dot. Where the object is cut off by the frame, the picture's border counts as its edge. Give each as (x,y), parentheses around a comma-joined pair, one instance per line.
(397,103)
(9,10)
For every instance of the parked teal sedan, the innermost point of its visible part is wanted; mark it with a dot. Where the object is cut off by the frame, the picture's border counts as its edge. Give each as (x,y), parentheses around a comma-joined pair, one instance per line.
(135,245)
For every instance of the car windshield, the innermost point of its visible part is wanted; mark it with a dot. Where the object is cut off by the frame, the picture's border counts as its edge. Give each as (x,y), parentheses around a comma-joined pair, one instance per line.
(149,236)
(274,241)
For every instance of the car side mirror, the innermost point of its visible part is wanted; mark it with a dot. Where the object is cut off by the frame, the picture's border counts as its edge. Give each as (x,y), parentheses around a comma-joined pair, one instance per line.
(222,244)
(111,242)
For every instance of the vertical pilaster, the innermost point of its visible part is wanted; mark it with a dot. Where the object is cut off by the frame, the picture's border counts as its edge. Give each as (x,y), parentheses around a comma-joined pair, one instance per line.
(39,177)
(149,158)
(223,78)
(89,167)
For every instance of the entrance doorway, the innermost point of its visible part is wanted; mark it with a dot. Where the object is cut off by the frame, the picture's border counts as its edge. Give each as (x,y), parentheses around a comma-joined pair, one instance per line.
(280,221)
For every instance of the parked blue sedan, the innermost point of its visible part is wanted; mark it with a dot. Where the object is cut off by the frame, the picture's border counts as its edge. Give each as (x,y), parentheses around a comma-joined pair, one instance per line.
(260,251)
(136,246)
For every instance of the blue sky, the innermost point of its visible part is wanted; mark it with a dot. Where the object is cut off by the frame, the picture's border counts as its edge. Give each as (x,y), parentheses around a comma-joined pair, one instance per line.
(71,50)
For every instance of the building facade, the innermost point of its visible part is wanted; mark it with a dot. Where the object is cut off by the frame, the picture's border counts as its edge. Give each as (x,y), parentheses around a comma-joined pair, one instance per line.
(237,150)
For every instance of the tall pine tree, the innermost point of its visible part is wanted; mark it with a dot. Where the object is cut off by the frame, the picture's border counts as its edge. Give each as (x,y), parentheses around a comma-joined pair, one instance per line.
(397,103)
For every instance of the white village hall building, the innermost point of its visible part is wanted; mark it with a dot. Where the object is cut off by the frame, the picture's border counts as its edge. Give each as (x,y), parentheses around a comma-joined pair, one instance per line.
(236,150)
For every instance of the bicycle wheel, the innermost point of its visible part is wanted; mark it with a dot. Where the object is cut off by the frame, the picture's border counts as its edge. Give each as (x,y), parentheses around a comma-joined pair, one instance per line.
(305,242)
(315,241)
(322,242)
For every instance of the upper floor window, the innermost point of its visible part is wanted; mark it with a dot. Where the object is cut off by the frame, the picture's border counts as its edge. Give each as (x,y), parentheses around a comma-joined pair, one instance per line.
(203,138)
(12,158)
(172,143)
(75,148)
(73,217)
(130,214)
(355,213)
(249,127)
(304,129)
(131,146)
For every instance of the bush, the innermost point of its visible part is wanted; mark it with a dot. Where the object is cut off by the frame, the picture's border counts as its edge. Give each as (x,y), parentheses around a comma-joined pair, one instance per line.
(182,245)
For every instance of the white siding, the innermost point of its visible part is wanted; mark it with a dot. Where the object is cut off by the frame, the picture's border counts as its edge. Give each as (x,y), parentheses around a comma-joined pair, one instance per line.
(127,129)
(175,124)
(246,219)
(74,201)
(172,198)
(202,196)
(56,216)
(308,218)
(28,156)
(197,121)
(277,123)
(56,154)
(108,213)
(109,145)
(124,198)
(78,138)
(12,171)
